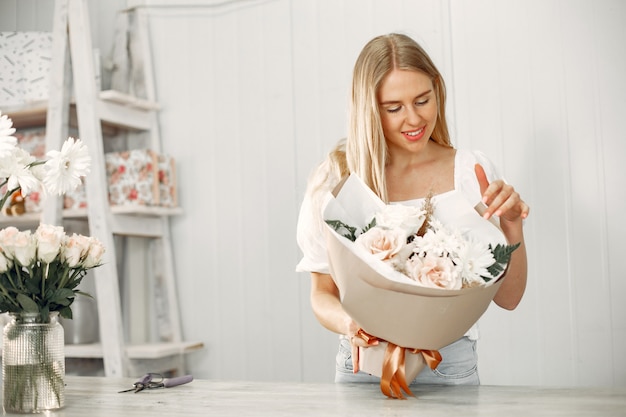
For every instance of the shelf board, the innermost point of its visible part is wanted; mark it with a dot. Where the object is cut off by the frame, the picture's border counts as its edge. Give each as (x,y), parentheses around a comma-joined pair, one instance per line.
(32,115)
(127,100)
(127,220)
(136,351)
(116,110)
(23,220)
(146,210)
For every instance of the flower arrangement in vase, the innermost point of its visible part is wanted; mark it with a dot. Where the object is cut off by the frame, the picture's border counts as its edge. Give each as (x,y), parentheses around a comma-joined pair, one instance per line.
(39,274)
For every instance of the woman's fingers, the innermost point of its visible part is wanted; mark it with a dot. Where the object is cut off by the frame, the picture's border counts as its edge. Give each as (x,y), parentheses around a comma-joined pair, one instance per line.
(356,342)
(500,198)
(481,177)
(355,355)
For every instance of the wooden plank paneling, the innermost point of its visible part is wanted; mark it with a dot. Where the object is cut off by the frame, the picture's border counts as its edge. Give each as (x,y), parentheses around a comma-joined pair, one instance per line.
(8,11)
(548,109)
(588,221)
(608,31)
(26,15)
(242,99)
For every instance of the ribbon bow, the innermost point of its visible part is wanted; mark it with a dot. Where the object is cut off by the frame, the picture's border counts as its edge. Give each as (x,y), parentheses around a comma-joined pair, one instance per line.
(393,379)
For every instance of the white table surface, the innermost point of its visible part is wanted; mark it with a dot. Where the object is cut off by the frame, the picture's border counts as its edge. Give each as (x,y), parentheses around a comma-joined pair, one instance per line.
(98,396)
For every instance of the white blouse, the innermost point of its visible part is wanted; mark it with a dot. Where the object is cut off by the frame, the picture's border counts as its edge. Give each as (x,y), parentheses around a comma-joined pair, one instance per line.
(310,232)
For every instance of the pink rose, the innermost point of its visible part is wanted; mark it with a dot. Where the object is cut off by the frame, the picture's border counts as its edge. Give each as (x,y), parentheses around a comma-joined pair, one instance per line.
(384,244)
(49,240)
(75,250)
(94,256)
(434,272)
(23,248)
(6,239)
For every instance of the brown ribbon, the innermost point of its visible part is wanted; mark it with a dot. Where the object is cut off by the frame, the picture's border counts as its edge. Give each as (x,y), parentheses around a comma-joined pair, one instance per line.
(393,379)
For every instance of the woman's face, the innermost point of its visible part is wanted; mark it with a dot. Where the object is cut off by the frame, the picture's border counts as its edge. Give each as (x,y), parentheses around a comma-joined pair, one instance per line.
(408,109)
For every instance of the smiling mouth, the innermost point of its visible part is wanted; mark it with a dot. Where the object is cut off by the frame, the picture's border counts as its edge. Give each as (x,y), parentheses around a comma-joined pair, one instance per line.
(415,133)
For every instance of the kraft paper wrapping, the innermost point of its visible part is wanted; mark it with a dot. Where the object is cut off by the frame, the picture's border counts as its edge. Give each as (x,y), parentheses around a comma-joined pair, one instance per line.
(387,304)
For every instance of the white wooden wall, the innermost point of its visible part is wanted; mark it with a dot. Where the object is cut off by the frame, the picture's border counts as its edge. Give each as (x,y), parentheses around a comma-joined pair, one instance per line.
(540,85)
(255,93)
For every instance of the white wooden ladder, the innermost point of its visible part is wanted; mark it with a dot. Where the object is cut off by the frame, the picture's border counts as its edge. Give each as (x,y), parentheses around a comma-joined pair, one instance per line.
(73,58)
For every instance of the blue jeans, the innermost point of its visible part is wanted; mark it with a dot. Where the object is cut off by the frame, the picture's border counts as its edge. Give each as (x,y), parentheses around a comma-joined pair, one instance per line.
(458,367)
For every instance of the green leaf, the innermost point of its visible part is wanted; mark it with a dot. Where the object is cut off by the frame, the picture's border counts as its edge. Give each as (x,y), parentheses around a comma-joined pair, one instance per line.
(86,294)
(343,229)
(502,255)
(27,303)
(62,296)
(370,225)
(66,313)
(44,314)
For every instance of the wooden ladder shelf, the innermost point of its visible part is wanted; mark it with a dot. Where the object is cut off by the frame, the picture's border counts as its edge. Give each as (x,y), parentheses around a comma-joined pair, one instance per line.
(73,63)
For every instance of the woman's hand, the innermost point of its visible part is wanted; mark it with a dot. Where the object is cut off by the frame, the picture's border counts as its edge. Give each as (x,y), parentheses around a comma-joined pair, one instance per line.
(503,201)
(329,312)
(356,341)
(500,198)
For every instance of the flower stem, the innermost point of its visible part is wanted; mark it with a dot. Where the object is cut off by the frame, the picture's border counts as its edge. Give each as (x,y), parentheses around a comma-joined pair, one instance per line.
(7,195)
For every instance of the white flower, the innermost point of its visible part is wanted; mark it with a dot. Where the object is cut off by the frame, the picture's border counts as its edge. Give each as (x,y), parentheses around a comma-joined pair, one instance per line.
(94,256)
(74,250)
(16,167)
(384,244)
(49,241)
(65,168)
(408,218)
(6,240)
(23,248)
(434,272)
(473,259)
(7,140)
(438,240)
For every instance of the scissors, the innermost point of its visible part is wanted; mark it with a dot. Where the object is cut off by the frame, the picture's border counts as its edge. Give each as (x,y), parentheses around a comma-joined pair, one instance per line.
(148,382)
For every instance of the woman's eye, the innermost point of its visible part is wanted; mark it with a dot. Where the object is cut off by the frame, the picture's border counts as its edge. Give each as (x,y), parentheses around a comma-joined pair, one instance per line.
(421,103)
(393,109)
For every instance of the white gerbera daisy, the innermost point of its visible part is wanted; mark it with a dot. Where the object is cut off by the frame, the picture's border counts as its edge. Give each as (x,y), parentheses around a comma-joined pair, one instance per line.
(473,258)
(16,167)
(65,168)
(438,240)
(7,140)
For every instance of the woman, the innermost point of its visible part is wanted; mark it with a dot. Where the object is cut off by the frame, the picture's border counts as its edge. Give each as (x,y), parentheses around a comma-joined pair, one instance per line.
(398,143)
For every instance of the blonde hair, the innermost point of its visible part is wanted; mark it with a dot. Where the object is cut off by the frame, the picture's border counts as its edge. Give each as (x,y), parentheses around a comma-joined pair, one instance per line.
(366,149)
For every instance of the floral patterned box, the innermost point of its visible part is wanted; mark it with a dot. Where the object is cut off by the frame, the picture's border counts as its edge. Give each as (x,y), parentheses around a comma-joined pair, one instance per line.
(168,195)
(133,177)
(138,177)
(76,199)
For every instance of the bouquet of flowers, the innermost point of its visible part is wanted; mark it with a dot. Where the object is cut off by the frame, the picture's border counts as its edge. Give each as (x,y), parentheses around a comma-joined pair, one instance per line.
(414,278)
(39,272)
(427,251)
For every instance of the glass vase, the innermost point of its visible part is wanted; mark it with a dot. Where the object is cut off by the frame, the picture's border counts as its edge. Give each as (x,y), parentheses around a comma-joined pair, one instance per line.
(33,364)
